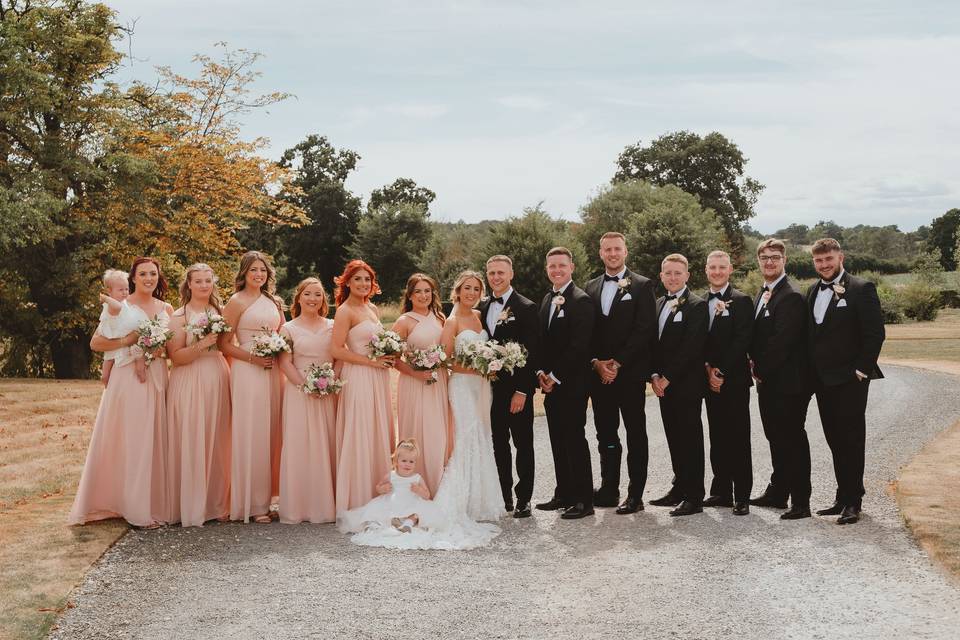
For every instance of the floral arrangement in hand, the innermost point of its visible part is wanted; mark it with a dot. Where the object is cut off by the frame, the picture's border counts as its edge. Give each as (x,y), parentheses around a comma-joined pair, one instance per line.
(432,359)
(488,357)
(386,343)
(210,323)
(269,344)
(153,335)
(321,380)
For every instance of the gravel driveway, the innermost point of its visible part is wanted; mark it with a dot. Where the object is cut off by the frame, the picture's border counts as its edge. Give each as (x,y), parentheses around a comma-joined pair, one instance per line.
(647,575)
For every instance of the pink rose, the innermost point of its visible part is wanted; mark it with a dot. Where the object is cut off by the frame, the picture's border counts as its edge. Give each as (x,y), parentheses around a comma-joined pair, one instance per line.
(321,383)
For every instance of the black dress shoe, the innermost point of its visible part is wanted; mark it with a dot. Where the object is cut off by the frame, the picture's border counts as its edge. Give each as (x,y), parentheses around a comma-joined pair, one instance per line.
(741,508)
(718,501)
(835,510)
(605,498)
(551,505)
(508,506)
(630,505)
(770,498)
(849,515)
(669,500)
(522,511)
(796,512)
(578,510)
(687,508)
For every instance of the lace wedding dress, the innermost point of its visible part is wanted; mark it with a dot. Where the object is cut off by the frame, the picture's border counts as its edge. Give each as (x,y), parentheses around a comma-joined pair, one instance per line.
(470,489)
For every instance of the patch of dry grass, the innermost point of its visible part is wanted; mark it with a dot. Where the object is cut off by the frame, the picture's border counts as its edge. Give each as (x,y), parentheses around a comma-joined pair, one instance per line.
(937,340)
(45,427)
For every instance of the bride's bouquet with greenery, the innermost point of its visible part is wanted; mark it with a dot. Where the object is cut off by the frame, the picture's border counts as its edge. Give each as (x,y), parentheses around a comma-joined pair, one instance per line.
(489,358)
(321,380)
(432,359)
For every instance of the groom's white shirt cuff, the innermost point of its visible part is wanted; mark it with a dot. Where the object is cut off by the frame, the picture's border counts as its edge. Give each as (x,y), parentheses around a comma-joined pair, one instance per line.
(552,377)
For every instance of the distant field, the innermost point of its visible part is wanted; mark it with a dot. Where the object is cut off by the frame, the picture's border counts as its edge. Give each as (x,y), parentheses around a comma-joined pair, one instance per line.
(938,340)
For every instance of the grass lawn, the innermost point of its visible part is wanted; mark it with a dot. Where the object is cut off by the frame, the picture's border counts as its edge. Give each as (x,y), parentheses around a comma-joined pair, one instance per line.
(937,340)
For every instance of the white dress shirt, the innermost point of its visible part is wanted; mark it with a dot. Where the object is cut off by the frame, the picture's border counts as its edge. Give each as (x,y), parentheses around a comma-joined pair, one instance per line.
(493,312)
(770,287)
(609,291)
(822,300)
(665,313)
(712,304)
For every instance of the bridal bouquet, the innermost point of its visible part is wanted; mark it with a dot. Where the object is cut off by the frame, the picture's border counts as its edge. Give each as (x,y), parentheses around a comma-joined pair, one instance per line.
(432,359)
(209,323)
(514,356)
(152,336)
(386,343)
(321,381)
(269,344)
(489,357)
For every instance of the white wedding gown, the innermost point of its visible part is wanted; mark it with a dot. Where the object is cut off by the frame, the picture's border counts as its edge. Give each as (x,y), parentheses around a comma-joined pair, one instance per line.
(470,488)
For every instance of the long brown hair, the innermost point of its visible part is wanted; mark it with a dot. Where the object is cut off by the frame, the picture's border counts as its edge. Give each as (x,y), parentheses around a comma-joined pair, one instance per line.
(162,287)
(186,295)
(434,306)
(269,287)
(342,292)
(295,305)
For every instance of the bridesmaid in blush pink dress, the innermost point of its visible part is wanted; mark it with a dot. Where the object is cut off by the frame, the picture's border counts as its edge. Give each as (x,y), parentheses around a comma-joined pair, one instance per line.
(198,409)
(423,410)
(365,431)
(123,476)
(308,461)
(256,391)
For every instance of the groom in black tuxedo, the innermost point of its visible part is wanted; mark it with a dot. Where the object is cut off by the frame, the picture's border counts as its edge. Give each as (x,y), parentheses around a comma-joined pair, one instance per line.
(563,367)
(509,317)
(845,333)
(626,318)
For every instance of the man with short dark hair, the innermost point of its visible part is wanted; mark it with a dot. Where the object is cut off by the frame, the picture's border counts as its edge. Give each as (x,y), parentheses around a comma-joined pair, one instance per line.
(845,333)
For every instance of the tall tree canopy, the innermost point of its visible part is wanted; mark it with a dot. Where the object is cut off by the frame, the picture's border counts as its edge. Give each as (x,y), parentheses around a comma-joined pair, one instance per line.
(392,239)
(401,191)
(710,167)
(944,237)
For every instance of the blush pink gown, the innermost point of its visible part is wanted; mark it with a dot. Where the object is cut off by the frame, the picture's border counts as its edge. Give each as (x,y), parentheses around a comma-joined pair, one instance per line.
(256,397)
(366,434)
(123,476)
(308,461)
(423,409)
(198,438)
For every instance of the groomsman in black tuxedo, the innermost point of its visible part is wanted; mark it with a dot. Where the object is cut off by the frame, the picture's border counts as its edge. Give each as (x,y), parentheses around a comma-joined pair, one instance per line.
(677,379)
(778,352)
(509,317)
(846,333)
(563,367)
(730,314)
(624,325)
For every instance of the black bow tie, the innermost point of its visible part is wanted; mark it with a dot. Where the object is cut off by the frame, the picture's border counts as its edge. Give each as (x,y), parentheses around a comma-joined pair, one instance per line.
(607,278)
(671,296)
(765,288)
(500,300)
(554,294)
(713,295)
(825,285)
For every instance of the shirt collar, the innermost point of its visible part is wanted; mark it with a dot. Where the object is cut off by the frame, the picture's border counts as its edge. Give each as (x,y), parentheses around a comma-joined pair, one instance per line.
(620,275)
(678,294)
(771,286)
(561,289)
(505,296)
(722,291)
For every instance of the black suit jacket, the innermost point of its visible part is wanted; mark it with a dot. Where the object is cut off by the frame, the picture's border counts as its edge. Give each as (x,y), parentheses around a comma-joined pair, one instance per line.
(851,335)
(628,331)
(779,343)
(678,353)
(729,337)
(564,347)
(520,326)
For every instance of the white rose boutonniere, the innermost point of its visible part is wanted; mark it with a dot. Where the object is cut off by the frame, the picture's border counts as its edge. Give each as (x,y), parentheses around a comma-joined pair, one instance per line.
(622,284)
(558,301)
(721,307)
(506,316)
(673,304)
(765,298)
(838,290)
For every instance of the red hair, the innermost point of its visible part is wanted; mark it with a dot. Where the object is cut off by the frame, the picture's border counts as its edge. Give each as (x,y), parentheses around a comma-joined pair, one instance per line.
(161,289)
(342,292)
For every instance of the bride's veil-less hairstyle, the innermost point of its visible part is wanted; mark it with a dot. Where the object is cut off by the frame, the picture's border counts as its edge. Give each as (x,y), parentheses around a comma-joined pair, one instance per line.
(342,292)
(295,305)
(410,444)
(461,279)
(161,289)
(186,295)
(269,287)
(412,283)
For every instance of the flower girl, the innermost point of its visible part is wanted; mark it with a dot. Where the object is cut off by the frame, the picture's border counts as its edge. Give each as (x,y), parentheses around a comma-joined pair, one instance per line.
(402,507)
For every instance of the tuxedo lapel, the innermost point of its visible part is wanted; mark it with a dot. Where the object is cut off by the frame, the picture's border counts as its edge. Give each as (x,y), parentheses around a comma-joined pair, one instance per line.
(483,309)
(834,301)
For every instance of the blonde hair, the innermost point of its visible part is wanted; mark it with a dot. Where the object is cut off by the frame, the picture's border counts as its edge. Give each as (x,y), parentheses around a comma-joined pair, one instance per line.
(675,257)
(113,274)
(186,295)
(500,258)
(295,305)
(719,254)
(461,279)
(410,444)
(774,245)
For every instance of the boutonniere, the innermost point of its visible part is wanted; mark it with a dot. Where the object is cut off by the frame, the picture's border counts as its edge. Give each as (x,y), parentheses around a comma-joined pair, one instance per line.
(622,284)
(765,298)
(721,307)
(675,303)
(506,316)
(838,290)
(558,301)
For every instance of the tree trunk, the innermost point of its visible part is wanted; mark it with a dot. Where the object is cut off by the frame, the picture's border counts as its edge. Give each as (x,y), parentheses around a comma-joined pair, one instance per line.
(71,357)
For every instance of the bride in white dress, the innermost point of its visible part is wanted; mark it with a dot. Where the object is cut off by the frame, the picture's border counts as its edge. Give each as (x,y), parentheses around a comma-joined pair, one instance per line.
(469,489)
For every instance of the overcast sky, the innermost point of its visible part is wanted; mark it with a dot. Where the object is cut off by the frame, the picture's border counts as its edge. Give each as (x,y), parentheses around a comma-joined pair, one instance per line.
(847,111)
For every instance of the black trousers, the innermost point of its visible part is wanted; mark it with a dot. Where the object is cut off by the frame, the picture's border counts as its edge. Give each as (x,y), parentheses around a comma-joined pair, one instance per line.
(683,427)
(843,415)
(519,426)
(784,417)
(623,397)
(566,417)
(728,414)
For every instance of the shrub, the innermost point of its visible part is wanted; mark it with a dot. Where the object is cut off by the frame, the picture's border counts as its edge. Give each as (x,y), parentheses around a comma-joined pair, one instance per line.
(891,304)
(750,283)
(920,300)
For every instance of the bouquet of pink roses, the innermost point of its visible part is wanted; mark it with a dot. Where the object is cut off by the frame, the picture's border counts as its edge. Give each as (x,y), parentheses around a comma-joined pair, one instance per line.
(432,359)
(386,343)
(152,336)
(321,380)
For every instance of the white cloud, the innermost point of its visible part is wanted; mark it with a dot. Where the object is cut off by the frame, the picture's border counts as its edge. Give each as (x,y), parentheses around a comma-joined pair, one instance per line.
(529,103)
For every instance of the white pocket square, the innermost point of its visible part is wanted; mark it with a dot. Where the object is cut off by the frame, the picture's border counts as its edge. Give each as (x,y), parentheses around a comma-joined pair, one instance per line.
(678,317)
(726,312)
(627,297)
(766,313)
(560,315)
(842,303)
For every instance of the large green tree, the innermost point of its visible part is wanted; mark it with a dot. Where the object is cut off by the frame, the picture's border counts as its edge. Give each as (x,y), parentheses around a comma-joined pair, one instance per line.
(710,167)
(943,237)
(392,239)
(401,191)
